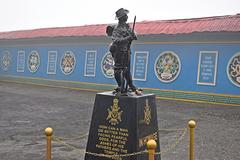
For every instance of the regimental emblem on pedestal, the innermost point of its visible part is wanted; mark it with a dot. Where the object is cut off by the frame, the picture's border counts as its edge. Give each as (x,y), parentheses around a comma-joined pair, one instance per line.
(122,126)
(114,113)
(147,113)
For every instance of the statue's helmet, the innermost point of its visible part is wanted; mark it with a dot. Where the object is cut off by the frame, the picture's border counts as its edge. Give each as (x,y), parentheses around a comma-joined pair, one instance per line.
(121,12)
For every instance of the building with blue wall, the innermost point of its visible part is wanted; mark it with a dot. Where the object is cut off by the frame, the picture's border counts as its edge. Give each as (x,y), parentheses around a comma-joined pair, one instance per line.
(189,59)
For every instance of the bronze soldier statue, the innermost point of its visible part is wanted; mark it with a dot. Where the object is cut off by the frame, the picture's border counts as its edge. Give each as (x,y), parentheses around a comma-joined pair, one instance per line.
(122,36)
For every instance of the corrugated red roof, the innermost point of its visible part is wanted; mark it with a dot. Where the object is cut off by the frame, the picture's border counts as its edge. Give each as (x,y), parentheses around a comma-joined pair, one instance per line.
(229,23)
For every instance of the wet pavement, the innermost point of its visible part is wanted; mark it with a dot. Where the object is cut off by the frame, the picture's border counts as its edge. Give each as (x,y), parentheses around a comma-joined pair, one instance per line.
(26,110)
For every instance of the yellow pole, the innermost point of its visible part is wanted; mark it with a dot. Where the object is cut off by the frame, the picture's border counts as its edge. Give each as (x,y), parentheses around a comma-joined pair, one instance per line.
(48,133)
(191,125)
(151,146)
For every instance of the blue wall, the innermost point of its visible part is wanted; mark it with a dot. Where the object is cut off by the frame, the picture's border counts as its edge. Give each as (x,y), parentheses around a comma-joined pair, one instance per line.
(185,81)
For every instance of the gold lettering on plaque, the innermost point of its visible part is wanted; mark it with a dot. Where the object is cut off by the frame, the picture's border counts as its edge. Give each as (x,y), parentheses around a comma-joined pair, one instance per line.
(112,140)
(114,115)
(147,113)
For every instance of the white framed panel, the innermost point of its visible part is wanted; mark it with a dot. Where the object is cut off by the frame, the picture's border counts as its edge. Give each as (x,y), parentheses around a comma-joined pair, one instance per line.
(140,65)
(90,63)
(21,61)
(207,68)
(52,62)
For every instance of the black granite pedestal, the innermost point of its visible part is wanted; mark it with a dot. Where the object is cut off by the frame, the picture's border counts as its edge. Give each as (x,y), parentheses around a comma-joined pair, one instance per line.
(122,125)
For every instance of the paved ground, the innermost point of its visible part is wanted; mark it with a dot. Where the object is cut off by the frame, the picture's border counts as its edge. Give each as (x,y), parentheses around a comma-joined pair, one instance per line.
(25,110)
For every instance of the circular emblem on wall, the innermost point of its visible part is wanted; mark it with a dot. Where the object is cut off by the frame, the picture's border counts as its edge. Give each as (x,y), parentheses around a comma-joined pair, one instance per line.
(6,60)
(233,69)
(108,65)
(33,61)
(68,62)
(167,66)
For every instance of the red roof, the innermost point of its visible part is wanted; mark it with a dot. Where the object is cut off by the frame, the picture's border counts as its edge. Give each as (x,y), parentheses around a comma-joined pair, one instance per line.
(229,23)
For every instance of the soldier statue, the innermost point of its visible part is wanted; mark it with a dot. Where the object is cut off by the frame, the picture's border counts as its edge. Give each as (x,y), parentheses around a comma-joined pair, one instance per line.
(122,36)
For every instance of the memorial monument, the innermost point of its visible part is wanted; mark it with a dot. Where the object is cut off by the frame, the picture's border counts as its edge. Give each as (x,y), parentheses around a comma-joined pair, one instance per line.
(122,122)
(122,36)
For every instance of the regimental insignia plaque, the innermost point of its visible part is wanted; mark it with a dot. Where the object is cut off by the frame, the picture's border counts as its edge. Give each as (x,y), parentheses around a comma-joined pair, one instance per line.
(68,62)
(114,115)
(233,69)
(33,61)
(147,113)
(122,126)
(6,60)
(167,66)
(107,65)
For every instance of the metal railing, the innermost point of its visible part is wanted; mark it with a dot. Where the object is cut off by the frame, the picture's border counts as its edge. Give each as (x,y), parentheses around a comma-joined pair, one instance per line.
(151,145)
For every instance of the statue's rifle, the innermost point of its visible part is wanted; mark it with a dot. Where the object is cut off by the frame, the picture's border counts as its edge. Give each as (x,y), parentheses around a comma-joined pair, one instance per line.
(134,22)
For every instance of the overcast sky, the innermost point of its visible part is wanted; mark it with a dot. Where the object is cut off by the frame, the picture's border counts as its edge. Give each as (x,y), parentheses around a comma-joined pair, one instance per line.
(32,14)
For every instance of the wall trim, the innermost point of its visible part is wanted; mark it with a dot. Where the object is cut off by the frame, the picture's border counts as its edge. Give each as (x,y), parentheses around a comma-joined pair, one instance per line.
(198,97)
